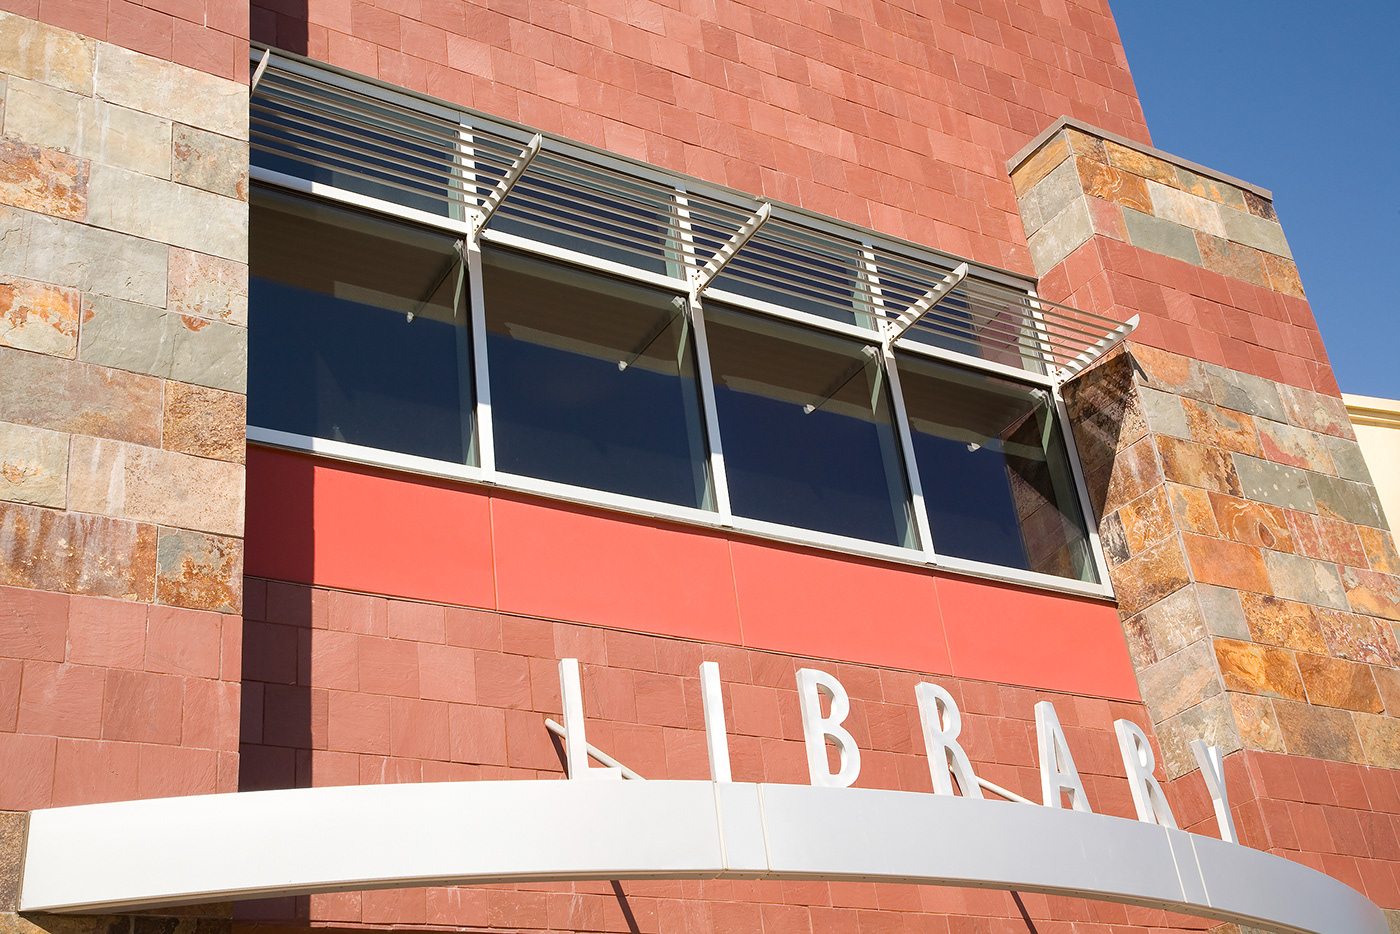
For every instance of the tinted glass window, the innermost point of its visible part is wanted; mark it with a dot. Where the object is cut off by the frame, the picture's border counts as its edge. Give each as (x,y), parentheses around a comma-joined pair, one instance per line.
(593,381)
(994,471)
(357,330)
(805,420)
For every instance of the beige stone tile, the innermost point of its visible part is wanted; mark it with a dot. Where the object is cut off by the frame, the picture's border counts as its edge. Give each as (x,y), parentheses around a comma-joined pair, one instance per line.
(1172,204)
(33,465)
(57,57)
(144,484)
(208,287)
(168,212)
(1380,738)
(78,398)
(50,249)
(1210,720)
(173,91)
(157,342)
(39,317)
(210,161)
(1180,681)
(88,128)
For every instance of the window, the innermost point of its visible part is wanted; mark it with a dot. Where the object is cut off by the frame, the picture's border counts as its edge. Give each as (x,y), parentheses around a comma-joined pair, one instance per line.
(616,335)
(357,330)
(593,381)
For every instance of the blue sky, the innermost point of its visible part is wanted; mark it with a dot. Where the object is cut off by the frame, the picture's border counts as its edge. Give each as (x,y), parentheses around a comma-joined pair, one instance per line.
(1300,98)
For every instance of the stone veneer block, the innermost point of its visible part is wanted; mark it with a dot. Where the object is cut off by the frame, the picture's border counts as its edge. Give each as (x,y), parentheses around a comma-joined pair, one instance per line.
(173,91)
(212,162)
(1304,580)
(1347,500)
(1180,681)
(88,128)
(33,465)
(1380,739)
(202,572)
(205,422)
(1275,621)
(1283,275)
(1210,189)
(1250,523)
(1245,392)
(1256,721)
(1347,459)
(1222,611)
(1049,196)
(1175,622)
(1259,669)
(1192,510)
(1039,165)
(1140,163)
(1164,412)
(1198,465)
(1372,592)
(1286,444)
(1388,684)
(39,317)
(149,485)
(1379,546)
(169,212)
(1256,232)
(1158,236)
(64,253)
(34,50)
(1209,720)
(1146,578)
(1332,682)
(78,398)
(143,339)
(1231,259)
(1318,732)
(44,549)
(1316,412)
(1061,235)
(1115,185)
(208,286)
(1220,427)
(43,180)
(1279,485)
(1178,207)
(1225,564)
(1359,638)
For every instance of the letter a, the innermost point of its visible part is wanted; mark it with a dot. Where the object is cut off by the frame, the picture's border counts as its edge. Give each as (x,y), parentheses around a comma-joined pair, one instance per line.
(942,723)
(816,729)
(1057,771)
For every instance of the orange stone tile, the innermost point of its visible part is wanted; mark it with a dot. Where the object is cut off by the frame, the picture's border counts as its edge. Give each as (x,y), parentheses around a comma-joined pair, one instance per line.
(1251,523)
(1231,259)
(1319,732)
(1388,684)
(1259,669)
(1116,185)
(1372,592)
(1146,520)
(1133,472)
(1198,465)
(1275,621)
(1082,144)
(39,317)
(43,180)
(1222,428)
(1192,510)
(1140,163)
(1379,546)
(1282,274)
(1380,739)
(1332,682)
(1146,578)
(1225,563)
(1040,164)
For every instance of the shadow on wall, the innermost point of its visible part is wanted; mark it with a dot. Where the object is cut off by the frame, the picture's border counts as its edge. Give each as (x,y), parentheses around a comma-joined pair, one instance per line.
(1103,406)
(280,23)
(275,741)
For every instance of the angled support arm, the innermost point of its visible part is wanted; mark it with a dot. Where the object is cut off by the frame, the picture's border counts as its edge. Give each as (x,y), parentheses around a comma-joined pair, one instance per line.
(507,182)
(895,329)
(700,279)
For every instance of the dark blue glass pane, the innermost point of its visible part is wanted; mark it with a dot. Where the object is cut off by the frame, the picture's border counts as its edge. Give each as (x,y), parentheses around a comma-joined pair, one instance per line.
(356,331)
(562,406)
(995,474)
(807,435)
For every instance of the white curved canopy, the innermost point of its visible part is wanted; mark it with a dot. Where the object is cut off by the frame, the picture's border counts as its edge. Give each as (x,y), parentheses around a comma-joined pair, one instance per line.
(141,854)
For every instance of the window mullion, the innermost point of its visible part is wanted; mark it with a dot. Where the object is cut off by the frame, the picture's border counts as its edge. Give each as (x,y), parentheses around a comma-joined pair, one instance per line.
(485,437)
(702,364)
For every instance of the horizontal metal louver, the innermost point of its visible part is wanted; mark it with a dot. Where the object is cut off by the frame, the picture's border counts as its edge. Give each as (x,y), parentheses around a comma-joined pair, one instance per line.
(351,134)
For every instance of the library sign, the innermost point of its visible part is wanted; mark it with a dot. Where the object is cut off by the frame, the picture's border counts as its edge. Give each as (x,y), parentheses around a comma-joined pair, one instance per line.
(210,848)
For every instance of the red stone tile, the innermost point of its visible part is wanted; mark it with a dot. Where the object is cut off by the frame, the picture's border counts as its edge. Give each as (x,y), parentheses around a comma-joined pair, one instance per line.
(388,666)
(166,771)
(420,622)
(33,624)
(62,700)
(503,680)
(358,723)
(211,714)
(477,735)
(183,642)
(447,673)
(418,729)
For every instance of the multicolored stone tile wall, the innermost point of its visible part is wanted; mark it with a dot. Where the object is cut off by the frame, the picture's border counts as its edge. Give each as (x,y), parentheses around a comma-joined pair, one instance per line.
(123,304)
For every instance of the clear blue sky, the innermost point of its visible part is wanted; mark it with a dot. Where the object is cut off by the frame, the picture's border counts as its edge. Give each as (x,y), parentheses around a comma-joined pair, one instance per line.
(1304,99)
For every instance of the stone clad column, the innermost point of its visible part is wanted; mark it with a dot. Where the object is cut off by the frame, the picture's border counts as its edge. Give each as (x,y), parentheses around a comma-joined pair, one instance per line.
(123,312)
(1254,570)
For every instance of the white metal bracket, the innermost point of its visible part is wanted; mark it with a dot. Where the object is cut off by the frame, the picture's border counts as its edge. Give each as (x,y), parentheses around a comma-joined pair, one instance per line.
(482,215)
(700,279)
(258,73)
(1096,349)
(558,730)
(895,329)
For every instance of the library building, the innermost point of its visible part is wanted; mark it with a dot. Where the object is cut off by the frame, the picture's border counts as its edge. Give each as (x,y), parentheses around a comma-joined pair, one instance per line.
(667,467)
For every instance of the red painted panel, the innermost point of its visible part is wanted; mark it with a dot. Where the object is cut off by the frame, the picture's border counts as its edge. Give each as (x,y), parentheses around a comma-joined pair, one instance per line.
(321,522)
(571,563)
(830,606)
(1012,635)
